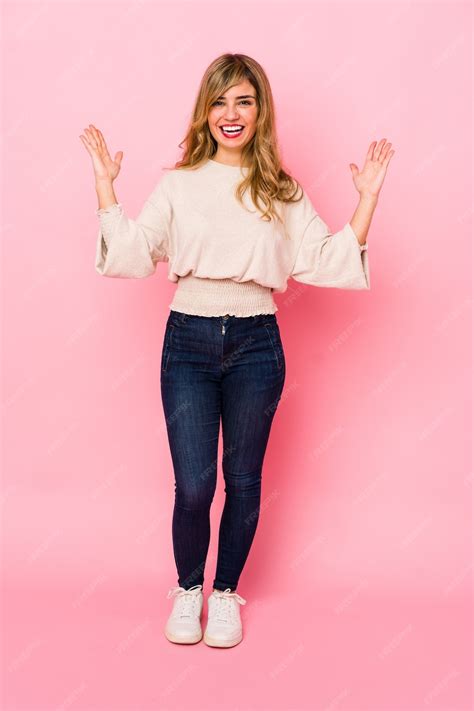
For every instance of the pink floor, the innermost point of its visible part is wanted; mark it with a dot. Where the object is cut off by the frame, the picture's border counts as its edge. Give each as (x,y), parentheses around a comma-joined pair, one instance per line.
(353,650)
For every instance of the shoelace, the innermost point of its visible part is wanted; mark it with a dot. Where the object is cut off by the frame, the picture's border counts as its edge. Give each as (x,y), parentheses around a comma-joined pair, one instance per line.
(186,599)
(224,607)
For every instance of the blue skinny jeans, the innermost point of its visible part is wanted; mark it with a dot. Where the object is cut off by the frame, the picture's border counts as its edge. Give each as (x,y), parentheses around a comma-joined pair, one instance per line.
(217,368)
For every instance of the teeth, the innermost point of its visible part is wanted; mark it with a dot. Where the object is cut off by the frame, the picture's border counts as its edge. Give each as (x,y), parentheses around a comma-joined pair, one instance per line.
(232,130)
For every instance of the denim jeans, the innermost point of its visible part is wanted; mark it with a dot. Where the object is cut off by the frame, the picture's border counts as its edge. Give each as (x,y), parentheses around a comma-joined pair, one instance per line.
(217,368)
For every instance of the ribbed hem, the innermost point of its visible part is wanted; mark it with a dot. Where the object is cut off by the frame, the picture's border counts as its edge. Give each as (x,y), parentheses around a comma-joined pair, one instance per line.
(221,297)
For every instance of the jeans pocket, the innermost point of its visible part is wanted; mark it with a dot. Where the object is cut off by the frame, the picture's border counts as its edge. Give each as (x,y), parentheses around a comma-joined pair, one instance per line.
(165,356)
(275,340)
(178,319)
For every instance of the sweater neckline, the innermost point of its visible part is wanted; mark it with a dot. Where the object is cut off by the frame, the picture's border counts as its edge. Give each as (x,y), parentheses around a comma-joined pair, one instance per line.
(224,166)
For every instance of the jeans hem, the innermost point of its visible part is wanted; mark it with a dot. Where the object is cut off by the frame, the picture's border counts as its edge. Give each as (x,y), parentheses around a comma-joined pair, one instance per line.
(223,586)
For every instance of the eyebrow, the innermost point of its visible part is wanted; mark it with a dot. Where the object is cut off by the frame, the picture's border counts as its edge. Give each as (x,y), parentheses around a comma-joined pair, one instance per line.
(244,96)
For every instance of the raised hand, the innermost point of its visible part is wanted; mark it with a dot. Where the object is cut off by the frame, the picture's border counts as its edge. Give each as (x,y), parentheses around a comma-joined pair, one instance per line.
(369,180)
(104,167)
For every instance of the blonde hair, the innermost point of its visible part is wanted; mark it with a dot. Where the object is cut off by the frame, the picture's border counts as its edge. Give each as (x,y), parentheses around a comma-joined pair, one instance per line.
(266,179)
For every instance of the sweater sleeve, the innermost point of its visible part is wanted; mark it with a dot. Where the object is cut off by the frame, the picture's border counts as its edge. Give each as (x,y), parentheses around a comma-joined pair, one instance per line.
(331,260)
(132,248)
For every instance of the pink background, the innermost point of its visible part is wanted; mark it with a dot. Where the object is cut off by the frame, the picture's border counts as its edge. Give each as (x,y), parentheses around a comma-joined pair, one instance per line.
(359,581)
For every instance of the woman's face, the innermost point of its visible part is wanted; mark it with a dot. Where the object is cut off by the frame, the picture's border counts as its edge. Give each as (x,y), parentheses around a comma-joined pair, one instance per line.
(236,108)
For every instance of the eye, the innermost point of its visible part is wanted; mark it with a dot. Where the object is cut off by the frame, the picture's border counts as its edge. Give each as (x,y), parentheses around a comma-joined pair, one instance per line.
(243,101)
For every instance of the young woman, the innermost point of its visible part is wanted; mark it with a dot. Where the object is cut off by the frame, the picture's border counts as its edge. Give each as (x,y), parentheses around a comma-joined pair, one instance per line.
(233,226)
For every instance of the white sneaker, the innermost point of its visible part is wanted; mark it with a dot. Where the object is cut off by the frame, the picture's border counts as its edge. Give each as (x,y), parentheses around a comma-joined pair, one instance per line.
(224,626)
(184,623)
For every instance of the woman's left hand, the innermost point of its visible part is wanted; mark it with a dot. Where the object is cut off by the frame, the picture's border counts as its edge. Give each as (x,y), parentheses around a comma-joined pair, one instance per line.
(370,179)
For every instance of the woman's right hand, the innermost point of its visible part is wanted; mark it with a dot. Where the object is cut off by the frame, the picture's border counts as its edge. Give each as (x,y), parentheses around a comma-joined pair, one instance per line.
(105,169)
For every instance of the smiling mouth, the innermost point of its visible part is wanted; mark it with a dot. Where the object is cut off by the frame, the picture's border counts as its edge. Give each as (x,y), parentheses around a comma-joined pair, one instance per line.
(231,131)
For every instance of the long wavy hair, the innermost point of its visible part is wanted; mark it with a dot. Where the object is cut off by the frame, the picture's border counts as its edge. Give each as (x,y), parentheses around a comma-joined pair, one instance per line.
(266,179)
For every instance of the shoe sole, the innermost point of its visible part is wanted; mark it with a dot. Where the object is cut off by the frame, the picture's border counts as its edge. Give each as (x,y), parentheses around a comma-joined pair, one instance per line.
(182,640)
(220,642)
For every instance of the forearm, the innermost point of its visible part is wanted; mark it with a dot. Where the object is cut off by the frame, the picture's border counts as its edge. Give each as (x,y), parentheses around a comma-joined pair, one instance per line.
(105,193)
(362,216)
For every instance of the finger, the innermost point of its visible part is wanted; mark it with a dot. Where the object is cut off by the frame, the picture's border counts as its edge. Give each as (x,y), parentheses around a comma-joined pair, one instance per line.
(86,143)
(98,137)
(102,143)
(387,159)
(370,152)
(91,138)
(95,133)
(385,150)
(379,148)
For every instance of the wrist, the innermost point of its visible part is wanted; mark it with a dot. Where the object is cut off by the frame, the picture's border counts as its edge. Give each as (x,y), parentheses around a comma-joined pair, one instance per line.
(368,198)
(103,183)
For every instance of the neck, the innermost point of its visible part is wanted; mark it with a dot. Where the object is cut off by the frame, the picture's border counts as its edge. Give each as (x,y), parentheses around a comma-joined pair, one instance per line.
(228,158)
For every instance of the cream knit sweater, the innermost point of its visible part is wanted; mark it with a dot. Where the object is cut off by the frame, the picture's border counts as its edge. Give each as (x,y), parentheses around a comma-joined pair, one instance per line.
(225,259)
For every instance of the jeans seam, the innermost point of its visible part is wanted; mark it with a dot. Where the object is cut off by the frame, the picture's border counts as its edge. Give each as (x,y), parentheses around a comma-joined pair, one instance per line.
(167,348)
(268,329)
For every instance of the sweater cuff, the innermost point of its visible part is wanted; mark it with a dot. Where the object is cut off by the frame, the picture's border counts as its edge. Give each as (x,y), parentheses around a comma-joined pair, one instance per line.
(110,210)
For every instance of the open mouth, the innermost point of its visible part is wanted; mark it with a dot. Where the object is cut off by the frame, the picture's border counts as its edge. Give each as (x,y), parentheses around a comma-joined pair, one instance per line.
(231,131)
